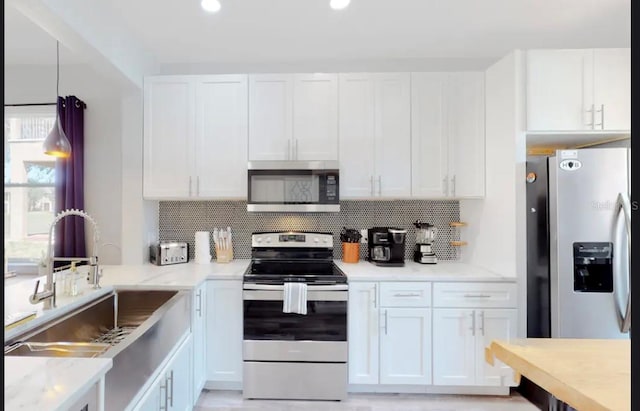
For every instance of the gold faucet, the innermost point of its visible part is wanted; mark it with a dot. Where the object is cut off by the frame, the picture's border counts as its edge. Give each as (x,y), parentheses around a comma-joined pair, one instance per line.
(49,293)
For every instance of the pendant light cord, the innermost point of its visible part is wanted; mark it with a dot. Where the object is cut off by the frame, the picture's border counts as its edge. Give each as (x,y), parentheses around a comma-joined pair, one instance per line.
(57,71)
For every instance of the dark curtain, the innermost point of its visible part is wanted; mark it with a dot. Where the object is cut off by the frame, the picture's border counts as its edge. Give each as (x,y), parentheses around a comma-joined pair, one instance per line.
(69,191)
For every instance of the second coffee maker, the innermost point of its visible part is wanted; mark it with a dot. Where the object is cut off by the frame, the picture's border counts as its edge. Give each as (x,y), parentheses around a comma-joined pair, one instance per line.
(386,246)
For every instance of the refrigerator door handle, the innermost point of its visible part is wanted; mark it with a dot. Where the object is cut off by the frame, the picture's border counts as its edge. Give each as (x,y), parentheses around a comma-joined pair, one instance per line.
(624,204)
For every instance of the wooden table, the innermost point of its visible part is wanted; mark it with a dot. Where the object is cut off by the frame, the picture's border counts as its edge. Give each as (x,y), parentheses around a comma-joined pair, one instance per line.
(583,373)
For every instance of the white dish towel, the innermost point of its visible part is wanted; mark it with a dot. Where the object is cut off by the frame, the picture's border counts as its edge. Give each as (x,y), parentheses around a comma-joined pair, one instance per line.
(295,298)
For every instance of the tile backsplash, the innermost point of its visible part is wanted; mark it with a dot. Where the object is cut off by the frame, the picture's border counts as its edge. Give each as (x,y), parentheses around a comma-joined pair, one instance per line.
(179,220)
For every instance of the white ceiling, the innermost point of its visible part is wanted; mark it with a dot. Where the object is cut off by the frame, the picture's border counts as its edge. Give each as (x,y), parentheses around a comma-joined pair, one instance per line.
(180,32)
(27,43)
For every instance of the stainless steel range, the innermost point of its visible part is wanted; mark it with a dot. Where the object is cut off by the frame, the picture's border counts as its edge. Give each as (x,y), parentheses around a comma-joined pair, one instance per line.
(288,355)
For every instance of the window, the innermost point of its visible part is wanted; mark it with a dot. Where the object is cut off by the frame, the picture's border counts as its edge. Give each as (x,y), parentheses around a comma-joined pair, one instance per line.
(29,175)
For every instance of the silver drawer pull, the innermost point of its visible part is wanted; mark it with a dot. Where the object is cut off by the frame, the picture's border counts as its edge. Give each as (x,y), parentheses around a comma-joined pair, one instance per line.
(477,296)
(407,295)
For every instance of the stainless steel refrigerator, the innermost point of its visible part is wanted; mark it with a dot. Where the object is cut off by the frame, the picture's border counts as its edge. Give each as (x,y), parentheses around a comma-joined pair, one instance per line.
(579,244)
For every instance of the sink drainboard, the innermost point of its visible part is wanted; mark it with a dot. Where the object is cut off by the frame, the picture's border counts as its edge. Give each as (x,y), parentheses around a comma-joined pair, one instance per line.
(115,335)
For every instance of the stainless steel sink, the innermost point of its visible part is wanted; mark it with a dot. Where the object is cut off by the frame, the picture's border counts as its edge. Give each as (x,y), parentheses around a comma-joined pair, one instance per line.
(58,349)
(136,329)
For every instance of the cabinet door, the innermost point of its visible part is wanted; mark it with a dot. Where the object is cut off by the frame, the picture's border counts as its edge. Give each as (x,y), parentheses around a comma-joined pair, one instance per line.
(559,90)
(429,142)
(363,333)
(465,118)
(270,116)
(405,346)
(612,88)
(154,398)
(221,136)
(494,324)
(315,117)
(179,377)
(224,331)
(393,134)
(169,119)
(356,144)
(199,340)
(454,347)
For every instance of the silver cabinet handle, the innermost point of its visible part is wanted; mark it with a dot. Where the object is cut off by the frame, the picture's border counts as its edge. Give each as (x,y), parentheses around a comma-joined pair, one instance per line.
(473,323)
(375,296)
(476,296)
(407,295)
(601,111)
(371,183)
(171,397)
(592,111)
(482,322)
(296,148)
(198,185)
(445,185)
(379,185)
(199,309)
(453,186)
(288,149)
(386,321)
(190,178)
(166,401)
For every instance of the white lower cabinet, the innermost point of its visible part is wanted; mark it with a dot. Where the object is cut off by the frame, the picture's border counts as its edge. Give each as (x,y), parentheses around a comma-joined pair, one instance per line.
(467,316)
(389,333)
(405,346)
(363,333)
(224,331)
(198,321)
(171,391)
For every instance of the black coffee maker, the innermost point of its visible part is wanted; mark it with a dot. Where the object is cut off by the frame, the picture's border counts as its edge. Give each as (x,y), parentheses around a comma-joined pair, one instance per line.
(386,246)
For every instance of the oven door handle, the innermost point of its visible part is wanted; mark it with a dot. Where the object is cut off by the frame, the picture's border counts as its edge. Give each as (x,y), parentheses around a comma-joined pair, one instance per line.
(275,295)
(310,288)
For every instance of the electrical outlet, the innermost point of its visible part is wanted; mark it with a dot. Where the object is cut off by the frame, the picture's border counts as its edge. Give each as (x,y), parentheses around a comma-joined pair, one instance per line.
(365,236)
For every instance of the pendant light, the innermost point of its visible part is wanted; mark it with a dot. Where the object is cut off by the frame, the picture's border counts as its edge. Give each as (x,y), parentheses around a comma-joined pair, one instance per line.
(56,144)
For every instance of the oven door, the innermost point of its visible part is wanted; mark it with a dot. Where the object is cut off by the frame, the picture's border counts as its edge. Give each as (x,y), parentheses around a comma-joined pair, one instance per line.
(272,335)
(293,186)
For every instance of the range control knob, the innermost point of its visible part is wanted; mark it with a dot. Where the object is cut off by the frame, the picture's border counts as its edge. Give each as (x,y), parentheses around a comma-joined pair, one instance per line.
(259,240)
(325,240)
(268,239)
(316,240)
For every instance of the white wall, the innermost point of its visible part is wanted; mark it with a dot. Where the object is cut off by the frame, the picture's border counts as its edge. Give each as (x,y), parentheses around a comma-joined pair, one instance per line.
(497,225)
(140,221)
(103,148)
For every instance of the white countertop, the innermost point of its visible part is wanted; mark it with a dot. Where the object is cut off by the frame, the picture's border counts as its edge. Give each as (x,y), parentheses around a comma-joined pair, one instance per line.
(412,271)
(54,383)
(49,384)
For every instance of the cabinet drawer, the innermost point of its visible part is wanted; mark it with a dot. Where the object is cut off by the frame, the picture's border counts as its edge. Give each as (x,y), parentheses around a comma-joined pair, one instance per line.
(474,295)
(405,294)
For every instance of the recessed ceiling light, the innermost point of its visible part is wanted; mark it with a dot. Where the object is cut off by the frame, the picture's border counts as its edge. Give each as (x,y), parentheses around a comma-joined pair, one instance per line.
(339,4)
(212,6)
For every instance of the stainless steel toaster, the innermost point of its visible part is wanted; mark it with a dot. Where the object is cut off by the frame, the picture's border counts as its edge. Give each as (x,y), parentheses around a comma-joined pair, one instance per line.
(169,252)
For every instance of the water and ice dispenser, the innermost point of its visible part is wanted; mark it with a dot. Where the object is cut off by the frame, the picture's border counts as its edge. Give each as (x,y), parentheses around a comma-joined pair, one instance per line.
(592,267)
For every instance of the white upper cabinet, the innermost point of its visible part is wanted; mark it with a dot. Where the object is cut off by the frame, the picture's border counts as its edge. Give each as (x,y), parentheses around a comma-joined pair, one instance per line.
(315,117)
(447,134)
(465,121)
(221,136)
(270,116)
(429,135)
(375,135)
(293,117)
(578,90)
(195,137)
(169,120)
(612,88)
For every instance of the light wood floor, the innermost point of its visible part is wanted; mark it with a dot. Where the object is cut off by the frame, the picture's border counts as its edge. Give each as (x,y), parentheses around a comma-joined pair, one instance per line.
(232,401)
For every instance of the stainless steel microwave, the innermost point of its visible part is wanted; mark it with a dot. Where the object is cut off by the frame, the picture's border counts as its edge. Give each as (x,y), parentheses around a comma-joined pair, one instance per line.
(293,186)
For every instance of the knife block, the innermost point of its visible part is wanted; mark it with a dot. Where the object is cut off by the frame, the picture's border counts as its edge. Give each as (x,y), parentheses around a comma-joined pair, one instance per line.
(224,255)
